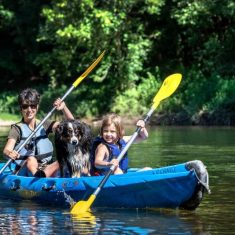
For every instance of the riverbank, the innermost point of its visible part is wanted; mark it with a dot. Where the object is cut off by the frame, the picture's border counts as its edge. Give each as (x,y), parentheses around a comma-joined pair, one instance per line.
(4,123)
(93,122)
(219,118)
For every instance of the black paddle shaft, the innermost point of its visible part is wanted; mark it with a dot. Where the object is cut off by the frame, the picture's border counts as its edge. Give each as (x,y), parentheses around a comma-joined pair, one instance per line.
(112,168)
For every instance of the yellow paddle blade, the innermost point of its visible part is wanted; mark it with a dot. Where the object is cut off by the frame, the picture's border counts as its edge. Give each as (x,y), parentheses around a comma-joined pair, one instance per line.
(82,207)
(88,70)
(168,87)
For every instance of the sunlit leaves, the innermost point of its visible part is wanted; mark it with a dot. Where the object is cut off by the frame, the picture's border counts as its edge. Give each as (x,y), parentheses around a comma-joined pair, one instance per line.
(6,17)
(137,54)
(189,12)
(154,6)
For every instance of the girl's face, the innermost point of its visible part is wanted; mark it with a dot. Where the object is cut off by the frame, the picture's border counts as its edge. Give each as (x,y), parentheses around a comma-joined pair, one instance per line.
(29,111)
(110,134)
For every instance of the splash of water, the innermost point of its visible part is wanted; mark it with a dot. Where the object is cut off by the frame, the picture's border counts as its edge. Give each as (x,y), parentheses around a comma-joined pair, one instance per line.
(69,199)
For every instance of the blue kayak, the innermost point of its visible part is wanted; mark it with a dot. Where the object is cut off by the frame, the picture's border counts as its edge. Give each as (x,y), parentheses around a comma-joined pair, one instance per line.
(181,185)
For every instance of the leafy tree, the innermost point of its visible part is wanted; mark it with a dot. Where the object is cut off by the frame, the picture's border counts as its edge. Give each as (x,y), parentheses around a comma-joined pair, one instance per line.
(49,44)
(18,29)
(77,31)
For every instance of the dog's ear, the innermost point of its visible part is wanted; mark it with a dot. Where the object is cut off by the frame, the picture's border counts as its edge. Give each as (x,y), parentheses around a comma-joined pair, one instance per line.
(87,136)
(59,129)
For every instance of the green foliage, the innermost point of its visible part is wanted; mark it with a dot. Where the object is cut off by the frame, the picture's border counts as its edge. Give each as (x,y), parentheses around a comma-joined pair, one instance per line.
(133,101)
(224,96)
(11,117)
(49,44)
(19,29)
(8,103)
(6,17)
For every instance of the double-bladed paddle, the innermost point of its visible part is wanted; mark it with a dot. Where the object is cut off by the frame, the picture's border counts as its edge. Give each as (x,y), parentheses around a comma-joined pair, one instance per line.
(74,85)
(168,87)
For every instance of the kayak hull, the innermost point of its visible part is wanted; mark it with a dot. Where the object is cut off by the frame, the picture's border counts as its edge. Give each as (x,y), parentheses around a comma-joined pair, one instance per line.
(166,187)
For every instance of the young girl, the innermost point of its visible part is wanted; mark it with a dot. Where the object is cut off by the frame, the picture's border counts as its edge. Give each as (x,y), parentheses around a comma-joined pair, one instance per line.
(109,144)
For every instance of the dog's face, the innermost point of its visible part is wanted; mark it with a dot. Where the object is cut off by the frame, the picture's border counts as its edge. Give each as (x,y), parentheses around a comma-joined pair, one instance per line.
(74,133)
(69,132)
(73,140)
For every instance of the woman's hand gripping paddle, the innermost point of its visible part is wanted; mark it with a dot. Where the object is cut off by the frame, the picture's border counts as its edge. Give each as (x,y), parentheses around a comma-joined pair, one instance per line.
(168,87)
(74,85)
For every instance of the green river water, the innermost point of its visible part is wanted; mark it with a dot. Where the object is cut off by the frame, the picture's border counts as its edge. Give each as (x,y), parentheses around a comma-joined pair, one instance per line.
(165,146)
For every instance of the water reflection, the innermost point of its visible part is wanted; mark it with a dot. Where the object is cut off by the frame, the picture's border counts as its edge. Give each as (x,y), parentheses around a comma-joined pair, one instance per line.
(84,224)
(28,218)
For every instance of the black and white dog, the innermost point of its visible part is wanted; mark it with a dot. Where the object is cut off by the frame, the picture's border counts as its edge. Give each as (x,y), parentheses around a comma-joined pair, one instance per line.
(73,140)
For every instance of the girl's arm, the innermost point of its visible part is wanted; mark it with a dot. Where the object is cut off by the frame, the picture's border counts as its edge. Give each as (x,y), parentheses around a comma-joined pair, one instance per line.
(143,134)
(100,154)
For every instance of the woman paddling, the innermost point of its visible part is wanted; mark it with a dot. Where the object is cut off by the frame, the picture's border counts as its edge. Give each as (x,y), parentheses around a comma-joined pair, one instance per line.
(37,153)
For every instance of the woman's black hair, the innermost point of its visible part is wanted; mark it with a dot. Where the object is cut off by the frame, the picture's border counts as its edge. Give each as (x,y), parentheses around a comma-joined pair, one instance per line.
(29,96)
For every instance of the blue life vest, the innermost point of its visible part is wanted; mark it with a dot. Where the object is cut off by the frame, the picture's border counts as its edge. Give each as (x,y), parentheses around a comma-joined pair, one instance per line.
(39,146)
(114,151)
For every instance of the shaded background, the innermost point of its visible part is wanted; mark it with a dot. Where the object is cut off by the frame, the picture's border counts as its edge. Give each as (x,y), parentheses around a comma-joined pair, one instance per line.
(48,44)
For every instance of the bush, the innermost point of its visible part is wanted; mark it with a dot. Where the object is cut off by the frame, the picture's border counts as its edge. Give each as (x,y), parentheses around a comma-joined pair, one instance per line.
(8,102)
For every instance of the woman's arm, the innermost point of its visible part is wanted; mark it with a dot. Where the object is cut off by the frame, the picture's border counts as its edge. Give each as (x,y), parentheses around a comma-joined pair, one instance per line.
(9,149)
(13,137)
(60,105)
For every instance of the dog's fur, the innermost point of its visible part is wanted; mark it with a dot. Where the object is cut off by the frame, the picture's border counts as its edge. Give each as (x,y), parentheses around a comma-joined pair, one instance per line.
(73,140)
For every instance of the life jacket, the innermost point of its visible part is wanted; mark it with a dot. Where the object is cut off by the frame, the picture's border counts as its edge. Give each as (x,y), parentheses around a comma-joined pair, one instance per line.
(114,151)
(39,146)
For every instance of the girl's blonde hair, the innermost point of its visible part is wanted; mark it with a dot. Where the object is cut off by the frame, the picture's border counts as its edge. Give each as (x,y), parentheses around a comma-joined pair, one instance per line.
(116,120)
